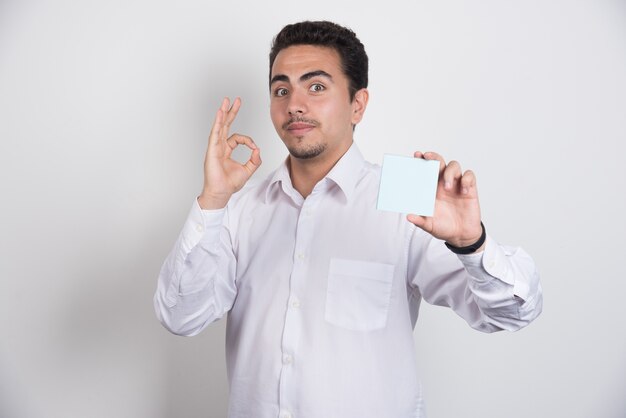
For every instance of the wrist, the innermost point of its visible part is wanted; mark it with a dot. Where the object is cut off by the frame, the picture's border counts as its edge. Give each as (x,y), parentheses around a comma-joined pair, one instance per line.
(211,202)
(474,246)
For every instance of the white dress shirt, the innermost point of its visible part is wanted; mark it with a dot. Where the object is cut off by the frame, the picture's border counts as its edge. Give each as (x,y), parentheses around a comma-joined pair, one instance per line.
(322,294)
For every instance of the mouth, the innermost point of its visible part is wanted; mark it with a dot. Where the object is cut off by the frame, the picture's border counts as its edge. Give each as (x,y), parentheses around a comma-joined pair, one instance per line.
(299,128)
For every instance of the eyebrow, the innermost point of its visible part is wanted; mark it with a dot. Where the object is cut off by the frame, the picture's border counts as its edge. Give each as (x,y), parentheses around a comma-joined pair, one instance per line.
(303,77)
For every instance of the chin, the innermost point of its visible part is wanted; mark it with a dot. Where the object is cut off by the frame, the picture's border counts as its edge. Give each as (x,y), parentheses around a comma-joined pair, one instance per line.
(307,153)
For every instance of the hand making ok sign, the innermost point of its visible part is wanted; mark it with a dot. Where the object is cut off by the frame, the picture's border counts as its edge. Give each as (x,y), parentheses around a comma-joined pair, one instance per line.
(223,176)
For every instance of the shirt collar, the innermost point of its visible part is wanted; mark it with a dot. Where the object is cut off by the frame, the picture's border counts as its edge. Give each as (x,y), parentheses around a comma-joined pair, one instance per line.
(278,179)
(347,171)
(345,174)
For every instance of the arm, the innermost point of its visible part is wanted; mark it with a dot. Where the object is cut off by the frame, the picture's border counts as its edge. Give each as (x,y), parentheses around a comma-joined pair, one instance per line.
(494,288)
(196,285)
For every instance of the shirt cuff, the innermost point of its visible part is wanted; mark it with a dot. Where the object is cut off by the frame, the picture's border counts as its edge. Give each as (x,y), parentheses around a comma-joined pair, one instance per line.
(202,225)
(489,263)
(502,263)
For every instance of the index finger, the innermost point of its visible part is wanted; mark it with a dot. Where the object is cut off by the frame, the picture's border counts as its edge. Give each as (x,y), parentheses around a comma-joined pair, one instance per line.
(434,156)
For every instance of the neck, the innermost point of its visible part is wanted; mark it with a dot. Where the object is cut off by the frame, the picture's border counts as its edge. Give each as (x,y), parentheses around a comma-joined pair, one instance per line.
(306,173)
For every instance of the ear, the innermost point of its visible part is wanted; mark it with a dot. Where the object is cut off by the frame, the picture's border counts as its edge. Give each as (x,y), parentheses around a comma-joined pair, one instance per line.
(359,103)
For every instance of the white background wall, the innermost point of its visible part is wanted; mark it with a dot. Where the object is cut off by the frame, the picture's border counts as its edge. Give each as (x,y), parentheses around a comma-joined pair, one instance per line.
(104,112)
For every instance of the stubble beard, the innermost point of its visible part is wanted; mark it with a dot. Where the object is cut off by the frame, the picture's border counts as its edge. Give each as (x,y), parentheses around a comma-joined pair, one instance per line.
(301,149)
(306,152)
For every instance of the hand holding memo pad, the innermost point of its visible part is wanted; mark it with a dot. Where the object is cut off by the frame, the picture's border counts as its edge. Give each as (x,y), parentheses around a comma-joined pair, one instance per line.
(408,185)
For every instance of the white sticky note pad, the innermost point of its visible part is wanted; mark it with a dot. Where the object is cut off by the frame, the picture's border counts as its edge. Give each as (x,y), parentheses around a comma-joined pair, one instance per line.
(408,185)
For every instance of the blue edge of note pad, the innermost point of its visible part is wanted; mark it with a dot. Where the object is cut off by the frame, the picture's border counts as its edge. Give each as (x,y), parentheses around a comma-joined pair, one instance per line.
(408,185)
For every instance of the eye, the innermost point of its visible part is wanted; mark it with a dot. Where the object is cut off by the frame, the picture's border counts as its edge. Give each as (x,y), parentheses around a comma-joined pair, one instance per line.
(316,88)
(280,92)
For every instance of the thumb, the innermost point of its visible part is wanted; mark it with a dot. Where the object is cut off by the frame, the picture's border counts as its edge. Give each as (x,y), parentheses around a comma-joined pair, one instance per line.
(422,222)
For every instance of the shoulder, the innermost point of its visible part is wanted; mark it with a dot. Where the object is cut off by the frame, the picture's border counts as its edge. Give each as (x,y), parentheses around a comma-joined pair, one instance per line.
(253,191)
(369,176)
(371,168)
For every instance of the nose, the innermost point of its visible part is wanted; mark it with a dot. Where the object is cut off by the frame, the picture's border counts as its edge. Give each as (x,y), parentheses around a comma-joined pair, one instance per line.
(297,103)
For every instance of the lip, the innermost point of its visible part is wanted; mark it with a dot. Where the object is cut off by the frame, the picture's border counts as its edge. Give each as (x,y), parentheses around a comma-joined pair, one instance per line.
(300,128)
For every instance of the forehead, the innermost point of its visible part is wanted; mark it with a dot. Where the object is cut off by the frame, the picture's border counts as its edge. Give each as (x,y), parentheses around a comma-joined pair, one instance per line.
(300,59)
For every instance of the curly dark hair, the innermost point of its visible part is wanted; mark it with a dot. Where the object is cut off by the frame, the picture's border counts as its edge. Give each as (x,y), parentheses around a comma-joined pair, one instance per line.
(354,60)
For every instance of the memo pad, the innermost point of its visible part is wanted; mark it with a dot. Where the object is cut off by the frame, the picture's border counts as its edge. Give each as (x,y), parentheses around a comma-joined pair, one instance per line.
(408,185)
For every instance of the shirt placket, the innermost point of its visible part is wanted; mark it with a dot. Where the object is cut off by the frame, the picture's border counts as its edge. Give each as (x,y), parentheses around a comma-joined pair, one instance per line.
(290,359)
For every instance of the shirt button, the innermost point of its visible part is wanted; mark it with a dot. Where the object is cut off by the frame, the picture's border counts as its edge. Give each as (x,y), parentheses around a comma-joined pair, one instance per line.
(199,228)
(295,304)
(492,263)
(287,359)
(300,256)
(286,415)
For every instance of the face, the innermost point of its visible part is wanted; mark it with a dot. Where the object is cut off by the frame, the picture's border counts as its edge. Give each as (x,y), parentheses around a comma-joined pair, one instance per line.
(310,103)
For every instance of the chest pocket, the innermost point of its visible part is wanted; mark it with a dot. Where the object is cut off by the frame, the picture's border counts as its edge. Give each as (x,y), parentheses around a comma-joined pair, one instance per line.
(358,294)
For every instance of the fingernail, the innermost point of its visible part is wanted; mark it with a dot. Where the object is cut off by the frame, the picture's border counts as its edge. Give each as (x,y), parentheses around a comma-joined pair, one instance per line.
(447,185)
(465,190)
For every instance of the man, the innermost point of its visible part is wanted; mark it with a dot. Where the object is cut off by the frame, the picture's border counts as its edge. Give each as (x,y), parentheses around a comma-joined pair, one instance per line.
(321,289)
